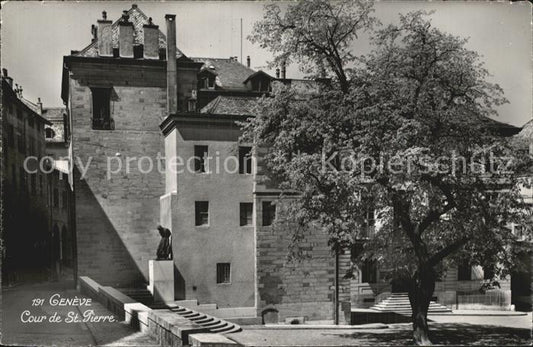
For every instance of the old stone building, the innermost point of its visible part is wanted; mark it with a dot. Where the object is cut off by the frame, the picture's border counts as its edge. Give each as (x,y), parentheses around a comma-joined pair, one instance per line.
(25,189)
(135,101)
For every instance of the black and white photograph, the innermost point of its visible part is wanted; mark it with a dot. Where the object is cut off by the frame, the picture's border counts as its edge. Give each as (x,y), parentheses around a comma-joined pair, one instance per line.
(266,173)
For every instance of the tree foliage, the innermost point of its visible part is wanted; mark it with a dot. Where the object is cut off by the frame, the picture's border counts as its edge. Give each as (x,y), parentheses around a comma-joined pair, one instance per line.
(405,131)
(315,34)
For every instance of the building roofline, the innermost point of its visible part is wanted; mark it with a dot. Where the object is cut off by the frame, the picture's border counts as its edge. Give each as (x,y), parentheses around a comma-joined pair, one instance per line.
(6,86)
(170,122)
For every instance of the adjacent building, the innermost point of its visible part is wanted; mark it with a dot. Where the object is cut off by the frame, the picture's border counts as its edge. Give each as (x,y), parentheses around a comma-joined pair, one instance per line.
(26,241)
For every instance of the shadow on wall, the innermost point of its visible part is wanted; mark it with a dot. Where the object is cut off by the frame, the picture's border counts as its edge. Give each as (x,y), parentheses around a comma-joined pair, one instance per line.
(102,255)
(179,284)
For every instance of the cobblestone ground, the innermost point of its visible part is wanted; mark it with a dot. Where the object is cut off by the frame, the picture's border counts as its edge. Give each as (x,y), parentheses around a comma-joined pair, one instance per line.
(14,332)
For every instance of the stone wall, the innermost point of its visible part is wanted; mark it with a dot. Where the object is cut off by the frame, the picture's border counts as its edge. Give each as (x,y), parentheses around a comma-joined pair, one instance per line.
(117,210)
(299,288)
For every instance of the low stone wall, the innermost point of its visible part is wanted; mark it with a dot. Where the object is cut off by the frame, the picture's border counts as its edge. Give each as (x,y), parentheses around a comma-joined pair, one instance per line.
(491,300)
(169,328)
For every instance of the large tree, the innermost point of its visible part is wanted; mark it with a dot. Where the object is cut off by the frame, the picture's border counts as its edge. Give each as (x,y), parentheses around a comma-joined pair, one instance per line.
(403,129)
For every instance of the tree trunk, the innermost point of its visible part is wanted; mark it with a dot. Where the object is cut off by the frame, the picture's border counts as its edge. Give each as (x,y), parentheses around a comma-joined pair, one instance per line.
(420,293)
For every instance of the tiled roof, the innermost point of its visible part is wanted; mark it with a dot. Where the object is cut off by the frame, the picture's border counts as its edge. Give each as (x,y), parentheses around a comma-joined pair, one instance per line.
(235,105)
(35,109)
(31,105)
(138,18)
(230,73)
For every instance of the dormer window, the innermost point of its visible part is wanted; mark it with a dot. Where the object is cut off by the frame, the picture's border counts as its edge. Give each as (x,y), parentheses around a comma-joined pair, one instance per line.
(207,82)
(259,82)
(207,78)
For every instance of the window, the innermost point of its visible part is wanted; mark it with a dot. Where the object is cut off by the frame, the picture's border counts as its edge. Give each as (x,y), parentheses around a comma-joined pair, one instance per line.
(64,200)
(464,272)
(22,182)
(32,146)
(21,143)
(369,220)
(102,109)
(223,272)
(191,105)
(14,175)
(245,160)
(200,155)
(49,133)
(246,213)
(369,271)
(19,114)
(33,184)
(488,272)
(11,135)
(56,198)
(30,122)
(269,213)
(201,212)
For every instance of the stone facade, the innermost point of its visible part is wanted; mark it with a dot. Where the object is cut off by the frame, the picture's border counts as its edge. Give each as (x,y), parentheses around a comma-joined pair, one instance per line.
(117,209)
(25,190)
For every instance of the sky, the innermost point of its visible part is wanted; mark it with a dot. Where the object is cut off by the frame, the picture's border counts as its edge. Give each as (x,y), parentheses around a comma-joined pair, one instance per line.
(36,35)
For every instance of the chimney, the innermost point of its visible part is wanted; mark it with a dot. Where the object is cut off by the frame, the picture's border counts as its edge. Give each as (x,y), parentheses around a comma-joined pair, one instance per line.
(104,33)
(172,80)
(151,40)
(8,79)
(283,71)
(40,106)
(94,32)
(248,61)
(277,72)
(125,36)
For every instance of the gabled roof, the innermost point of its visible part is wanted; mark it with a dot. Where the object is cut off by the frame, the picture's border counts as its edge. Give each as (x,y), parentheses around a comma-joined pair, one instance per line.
(234,105)
(138,18)
(230,73)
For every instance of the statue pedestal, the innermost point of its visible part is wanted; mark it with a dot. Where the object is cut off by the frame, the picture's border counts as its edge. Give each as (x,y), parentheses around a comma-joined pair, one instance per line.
(161,285)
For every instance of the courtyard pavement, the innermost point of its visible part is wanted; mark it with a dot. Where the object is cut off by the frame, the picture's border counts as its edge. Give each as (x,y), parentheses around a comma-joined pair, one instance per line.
(488,333)
(490,329)
(18,299)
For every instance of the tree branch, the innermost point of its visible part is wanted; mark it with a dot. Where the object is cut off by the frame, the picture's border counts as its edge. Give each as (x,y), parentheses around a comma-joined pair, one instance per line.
(446,251)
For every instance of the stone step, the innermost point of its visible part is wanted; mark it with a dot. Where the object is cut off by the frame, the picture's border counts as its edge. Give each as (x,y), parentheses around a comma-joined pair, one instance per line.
(204,320)
(235,329)
(223,329)
(215,324)
(399,303)
(381,304)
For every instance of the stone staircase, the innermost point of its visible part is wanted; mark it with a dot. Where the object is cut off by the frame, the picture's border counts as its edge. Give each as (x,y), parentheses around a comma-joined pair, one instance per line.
(201,314)
(399,303)
(214,324)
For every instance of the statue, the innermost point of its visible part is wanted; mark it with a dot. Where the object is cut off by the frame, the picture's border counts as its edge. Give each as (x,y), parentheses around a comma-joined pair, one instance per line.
(164,250)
